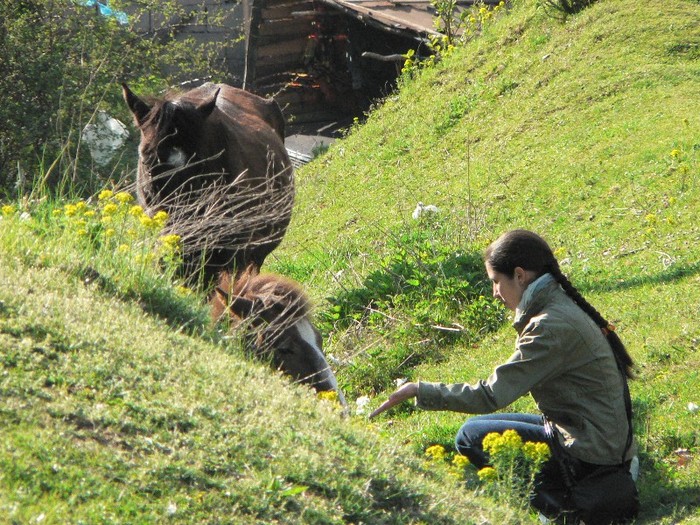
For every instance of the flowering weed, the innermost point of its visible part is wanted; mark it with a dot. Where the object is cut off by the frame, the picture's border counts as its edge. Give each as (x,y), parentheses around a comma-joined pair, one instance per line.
(514,466)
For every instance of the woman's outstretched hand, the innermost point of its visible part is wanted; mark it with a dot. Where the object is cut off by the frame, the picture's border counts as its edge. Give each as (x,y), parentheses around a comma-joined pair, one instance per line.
(407,391)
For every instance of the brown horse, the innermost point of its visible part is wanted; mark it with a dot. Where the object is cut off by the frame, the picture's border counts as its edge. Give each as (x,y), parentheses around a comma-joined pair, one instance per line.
(275,312)
(214,159)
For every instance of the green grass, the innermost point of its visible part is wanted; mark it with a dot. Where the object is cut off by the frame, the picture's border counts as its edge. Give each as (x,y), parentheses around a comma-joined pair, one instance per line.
(120,404)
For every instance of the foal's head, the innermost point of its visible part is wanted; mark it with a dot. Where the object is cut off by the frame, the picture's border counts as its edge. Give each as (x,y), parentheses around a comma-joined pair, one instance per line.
(276,314)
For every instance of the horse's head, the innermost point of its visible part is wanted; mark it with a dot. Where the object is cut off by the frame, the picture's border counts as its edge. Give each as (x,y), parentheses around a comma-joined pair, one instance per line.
(170,131)
(276,313)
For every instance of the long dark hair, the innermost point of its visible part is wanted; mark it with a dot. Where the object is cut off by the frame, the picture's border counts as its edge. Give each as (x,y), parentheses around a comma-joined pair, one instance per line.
(531,252)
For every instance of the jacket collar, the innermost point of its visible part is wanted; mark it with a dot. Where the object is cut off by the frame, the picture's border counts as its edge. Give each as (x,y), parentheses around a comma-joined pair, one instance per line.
(533,300)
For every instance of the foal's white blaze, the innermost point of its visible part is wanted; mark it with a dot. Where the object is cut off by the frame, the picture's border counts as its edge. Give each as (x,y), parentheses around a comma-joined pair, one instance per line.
(177,158)
(306,332)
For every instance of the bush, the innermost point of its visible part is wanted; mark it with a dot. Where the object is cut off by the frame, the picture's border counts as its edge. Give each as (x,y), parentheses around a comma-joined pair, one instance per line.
(61,63)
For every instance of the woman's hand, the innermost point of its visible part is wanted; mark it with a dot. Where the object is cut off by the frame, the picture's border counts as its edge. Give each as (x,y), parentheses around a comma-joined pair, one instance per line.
(407,391)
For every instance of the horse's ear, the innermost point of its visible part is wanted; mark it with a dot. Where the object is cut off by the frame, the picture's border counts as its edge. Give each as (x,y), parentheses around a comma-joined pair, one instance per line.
(242,307)
(137,106)
(206,107)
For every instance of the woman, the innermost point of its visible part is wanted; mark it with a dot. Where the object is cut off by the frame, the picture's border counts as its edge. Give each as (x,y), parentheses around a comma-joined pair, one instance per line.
(566,356)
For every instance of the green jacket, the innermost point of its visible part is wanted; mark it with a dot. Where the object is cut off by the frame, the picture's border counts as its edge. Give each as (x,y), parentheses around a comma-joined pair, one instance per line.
(563,359)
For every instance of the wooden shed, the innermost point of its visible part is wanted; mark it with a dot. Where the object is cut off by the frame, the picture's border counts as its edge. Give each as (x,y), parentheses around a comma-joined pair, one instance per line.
(327,60)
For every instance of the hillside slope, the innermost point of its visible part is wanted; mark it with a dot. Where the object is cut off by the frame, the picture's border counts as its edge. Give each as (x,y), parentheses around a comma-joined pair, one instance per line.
(586,131)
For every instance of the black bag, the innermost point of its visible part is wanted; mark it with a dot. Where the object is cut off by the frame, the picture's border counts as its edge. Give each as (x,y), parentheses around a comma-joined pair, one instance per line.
(606,495)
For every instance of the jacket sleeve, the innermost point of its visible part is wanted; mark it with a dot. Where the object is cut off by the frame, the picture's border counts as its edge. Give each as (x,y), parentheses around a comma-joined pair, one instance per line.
(538,355)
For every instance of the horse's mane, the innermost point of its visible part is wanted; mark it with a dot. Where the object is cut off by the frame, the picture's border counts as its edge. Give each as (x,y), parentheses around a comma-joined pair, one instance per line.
(268,288)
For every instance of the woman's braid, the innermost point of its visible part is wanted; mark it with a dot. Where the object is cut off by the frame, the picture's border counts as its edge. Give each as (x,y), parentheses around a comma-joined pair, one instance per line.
(624,360)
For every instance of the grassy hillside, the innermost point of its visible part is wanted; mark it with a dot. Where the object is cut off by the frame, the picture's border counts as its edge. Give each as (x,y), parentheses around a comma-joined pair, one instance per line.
(586,131)
(114,410)
(119,404)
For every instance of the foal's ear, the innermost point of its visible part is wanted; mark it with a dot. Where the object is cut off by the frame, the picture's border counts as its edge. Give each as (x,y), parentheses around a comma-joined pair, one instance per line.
(206,107)
(242,307)
(137,106)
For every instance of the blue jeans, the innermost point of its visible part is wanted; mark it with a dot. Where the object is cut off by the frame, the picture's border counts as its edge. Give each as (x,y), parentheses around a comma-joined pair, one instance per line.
(470,437)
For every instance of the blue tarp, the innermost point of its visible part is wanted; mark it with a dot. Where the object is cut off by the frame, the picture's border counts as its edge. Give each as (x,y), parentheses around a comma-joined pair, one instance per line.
(105,10)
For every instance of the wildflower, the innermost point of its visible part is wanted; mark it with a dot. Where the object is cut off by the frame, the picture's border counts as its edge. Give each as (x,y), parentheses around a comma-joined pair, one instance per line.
(183,291)
(329,395)
(170,242)
(136,211)
(82,232)
(675,153)
(361,403)
(109,209)
(512,440)
(70,210)
(105,194)
(436,452)
(492,442)
(146,221)
(487,474)
(123,248)
(110,232)
(538,453)
(81,206)
(460,461)
(650,218)
(124,197)
(89,213)
(160,218)
(57,212)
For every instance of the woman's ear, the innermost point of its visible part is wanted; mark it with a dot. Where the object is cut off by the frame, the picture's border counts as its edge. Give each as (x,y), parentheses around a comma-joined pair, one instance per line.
(520,275)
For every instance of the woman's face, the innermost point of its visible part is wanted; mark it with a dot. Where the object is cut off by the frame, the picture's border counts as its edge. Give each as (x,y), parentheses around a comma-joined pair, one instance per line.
(509,289)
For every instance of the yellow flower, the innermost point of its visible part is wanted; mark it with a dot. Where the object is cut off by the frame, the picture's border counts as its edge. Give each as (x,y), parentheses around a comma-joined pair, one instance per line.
(110,232)
(329,395)
(8,209)
(650,218)
(123,248)
(536,452)
(146,221)
(460,461)
(512,440)
(124,197)
(82,232)
(436,452)
(109,209)
(183,291)
(89,213)
(487,474)
(81,206)
(675,153)
(160,218)
(56,212)
(105,194)
(492,442)
(136,211)
(70,210)
(172,241)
